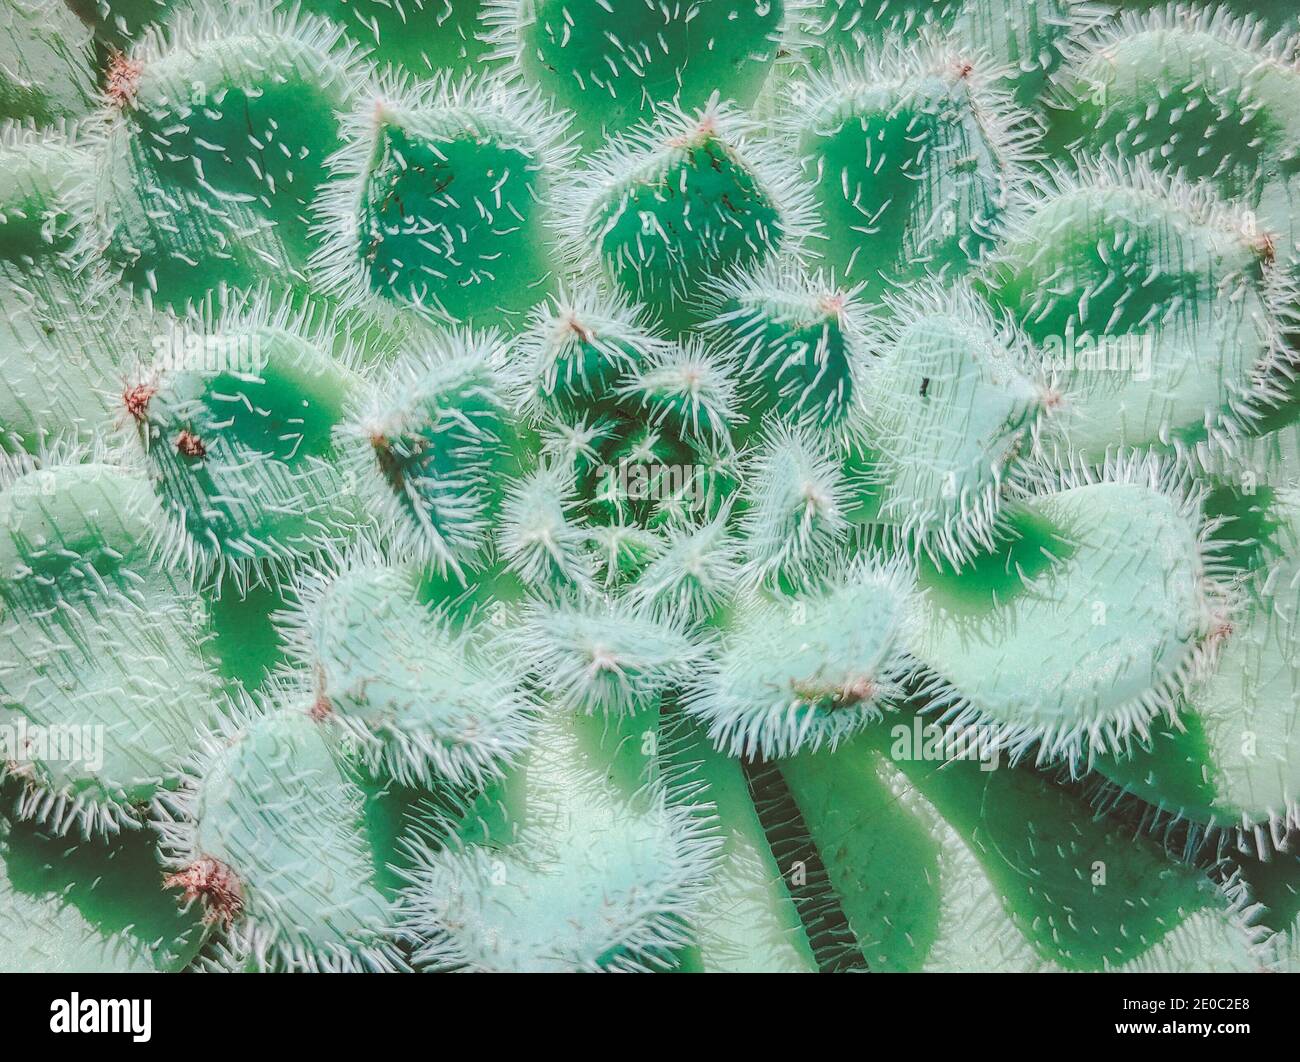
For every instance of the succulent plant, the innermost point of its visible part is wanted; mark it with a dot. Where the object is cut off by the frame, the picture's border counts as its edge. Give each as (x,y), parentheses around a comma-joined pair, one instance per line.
(736,486)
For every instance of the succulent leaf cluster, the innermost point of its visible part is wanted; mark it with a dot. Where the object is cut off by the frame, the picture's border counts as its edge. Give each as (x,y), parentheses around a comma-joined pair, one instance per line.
(491,485)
